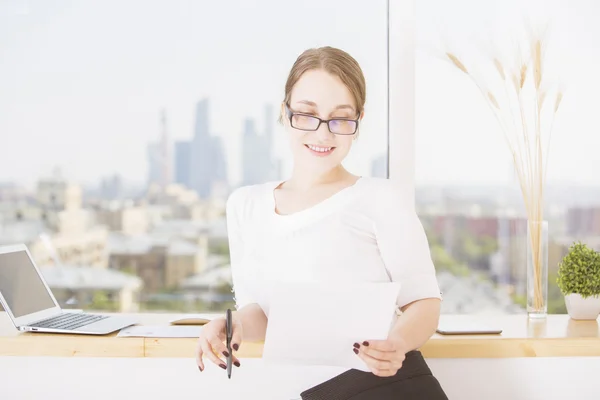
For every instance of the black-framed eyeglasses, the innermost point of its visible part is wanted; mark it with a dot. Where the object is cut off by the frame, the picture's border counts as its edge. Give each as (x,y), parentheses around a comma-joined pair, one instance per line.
(307,122)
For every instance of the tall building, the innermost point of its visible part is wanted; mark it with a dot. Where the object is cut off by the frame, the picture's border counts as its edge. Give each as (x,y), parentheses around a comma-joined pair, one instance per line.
(111,188)
(183,163)
(165,150)
(219,165)
(252,169)
(153,154)
(269,120)
(159,164)
(66,227)
(207,157)
(257,158)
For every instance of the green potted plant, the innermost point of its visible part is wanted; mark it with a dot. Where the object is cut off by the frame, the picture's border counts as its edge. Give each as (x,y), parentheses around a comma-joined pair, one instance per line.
(579,281)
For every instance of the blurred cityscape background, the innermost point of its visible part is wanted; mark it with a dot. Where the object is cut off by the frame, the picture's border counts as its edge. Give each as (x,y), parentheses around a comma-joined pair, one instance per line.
(120,148)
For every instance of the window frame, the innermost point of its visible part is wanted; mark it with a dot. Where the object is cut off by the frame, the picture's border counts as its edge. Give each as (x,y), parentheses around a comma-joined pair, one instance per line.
(401,94)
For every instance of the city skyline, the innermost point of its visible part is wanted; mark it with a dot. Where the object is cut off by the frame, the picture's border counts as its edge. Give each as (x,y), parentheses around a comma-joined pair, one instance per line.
(103,99)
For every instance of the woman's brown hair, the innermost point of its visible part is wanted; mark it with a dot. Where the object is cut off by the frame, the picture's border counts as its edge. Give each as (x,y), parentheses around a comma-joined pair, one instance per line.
(335,61)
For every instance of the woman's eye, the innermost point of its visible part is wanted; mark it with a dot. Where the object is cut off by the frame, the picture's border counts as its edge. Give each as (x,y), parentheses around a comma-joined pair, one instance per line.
(307,112)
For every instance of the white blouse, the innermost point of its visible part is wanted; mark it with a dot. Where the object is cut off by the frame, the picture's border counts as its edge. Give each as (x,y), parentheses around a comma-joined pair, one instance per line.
(367,232)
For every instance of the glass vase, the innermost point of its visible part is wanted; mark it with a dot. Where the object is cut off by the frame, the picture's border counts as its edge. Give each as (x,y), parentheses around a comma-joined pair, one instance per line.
(537,268)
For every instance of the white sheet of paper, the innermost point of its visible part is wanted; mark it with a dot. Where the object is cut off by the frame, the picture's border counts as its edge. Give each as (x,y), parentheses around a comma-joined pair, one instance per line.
(190,331)
(317,324)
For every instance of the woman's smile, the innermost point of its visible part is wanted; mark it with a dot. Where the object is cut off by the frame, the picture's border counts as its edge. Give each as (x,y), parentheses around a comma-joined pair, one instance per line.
(319,151)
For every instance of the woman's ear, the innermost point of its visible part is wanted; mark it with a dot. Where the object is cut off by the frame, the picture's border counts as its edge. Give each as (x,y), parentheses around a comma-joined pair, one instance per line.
(360,117)
(282,113)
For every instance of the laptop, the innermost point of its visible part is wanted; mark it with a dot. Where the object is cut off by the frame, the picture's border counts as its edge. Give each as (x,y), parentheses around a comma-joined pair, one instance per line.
(32,307)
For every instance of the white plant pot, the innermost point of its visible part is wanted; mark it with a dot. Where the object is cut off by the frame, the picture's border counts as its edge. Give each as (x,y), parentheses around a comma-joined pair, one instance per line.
(582,308)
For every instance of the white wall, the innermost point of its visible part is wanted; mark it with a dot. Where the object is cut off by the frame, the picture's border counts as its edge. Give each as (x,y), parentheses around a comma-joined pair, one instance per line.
(519,378)
(149,379)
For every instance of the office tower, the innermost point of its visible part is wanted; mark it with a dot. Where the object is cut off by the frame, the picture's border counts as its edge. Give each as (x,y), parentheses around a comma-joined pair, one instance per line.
(159,168)
(165,159)
(219,165)
(153,154)
(251,168)
(183,160)
(269,121)
(111,187)
(257,158)
(207,156)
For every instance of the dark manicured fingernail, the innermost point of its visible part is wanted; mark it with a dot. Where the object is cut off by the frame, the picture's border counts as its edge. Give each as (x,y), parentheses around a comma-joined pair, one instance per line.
(355,351)
(236,347)
(357,345)
(237,363)
(226,354)
(365,343)
(223,366)
(200,368)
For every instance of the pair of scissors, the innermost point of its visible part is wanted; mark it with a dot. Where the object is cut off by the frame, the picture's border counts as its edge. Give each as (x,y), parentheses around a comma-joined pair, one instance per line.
(229,334)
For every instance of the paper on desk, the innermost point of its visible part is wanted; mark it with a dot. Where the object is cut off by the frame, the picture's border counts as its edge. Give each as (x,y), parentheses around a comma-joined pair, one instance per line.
(161,331)
(317,324)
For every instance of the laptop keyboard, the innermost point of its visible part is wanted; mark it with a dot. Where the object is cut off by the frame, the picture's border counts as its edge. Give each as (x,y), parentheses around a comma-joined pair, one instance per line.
(69,321)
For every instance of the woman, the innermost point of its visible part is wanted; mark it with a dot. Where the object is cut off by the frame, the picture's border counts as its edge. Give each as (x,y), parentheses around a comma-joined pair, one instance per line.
(324,223)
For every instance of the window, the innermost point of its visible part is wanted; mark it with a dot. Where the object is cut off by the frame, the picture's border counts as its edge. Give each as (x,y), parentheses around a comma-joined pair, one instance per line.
(467,193)
(156,111)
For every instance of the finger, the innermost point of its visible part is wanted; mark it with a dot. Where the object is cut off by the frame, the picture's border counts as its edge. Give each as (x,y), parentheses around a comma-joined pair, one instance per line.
(219,347)
(381,368)
(378,354)
(374,364)
(236,338)
(209,352)
(235,361)
(199,354)
(385,373)
(381,345)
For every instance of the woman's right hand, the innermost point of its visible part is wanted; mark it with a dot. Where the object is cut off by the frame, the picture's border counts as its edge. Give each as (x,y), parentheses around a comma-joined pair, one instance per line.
(211,342)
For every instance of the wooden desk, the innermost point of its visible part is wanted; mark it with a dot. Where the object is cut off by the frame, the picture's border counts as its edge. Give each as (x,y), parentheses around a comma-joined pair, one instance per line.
(557,336)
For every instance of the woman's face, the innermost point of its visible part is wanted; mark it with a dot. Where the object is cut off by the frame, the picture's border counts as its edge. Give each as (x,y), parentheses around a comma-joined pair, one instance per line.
(320,94)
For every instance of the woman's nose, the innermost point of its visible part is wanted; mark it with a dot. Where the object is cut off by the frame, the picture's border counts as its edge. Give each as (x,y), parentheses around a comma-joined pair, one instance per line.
(323,133)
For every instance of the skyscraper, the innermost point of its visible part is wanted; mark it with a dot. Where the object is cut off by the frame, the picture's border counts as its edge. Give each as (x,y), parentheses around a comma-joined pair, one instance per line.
(165,150)
(153,153)
(251,164)
(183,159)
(159,164)
(207,157)
(269,121)
(257,158)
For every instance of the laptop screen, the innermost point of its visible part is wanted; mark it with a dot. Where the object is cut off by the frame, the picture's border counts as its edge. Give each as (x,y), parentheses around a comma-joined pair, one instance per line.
(21,285)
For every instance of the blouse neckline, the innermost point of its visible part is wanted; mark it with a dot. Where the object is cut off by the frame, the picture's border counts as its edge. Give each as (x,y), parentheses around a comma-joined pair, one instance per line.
(322,208)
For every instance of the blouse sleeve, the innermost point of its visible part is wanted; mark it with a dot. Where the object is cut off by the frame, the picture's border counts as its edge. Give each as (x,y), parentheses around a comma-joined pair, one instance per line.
(404,246)
(243,294)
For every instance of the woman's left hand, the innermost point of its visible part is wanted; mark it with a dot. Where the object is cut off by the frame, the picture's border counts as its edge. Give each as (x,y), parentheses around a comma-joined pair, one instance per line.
(383,357)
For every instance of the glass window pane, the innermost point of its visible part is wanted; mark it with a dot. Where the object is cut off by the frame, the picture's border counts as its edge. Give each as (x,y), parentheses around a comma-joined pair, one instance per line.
(129,124)
(468,189)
